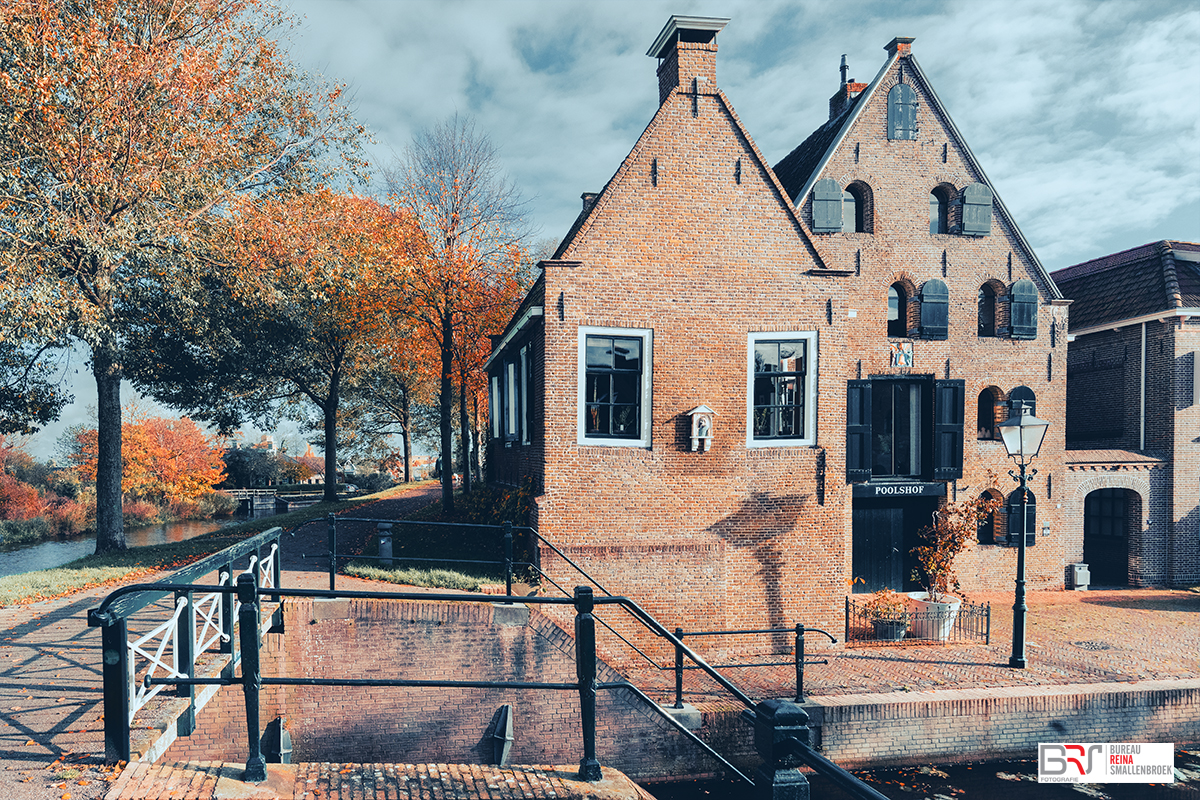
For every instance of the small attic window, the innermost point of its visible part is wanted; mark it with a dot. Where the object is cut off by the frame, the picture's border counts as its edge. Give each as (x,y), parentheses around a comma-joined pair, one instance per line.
(902,112)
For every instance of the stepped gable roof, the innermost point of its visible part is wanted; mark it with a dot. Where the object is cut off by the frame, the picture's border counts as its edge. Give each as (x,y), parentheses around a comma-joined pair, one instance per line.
(1159,276)
(804,165)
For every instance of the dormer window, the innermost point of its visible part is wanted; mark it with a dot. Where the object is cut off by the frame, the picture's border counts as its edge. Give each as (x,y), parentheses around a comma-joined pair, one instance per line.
(902,112)
(897,313)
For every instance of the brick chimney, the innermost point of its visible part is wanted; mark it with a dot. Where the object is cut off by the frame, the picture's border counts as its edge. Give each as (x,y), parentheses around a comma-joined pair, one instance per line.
(686,50)
(901,46)
(842,97)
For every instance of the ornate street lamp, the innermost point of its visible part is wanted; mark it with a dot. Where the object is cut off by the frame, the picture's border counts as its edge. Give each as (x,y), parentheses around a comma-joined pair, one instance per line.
(1022,433)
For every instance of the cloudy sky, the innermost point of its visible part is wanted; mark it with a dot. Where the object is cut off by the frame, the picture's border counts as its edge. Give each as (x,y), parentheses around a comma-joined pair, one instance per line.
(1085,115)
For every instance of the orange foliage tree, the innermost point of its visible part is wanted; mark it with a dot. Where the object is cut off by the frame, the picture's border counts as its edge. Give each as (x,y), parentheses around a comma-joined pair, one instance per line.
(164,459)
(127,129)
(470,216)
(289,321)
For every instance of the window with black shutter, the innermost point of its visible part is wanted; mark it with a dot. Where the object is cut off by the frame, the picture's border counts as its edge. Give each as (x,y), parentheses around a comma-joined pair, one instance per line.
(935,310)
(1023,394)
(948,412)
(827,206)
(897,312)
(1023,310)
(1016,526)
(977,210)
(858,431)
(987,311)
(902,112)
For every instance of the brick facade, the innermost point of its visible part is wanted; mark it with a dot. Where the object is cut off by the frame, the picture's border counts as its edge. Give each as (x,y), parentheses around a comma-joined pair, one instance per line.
(697,239)
(1132,409)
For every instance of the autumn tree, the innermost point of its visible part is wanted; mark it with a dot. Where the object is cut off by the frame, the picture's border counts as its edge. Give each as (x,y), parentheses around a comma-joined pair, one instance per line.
(126,128)
(162,459)
(287,319)
(471,218)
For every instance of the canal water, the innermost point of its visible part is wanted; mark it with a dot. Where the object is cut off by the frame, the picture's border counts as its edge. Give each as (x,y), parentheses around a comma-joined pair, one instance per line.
(992,780)
(55,553)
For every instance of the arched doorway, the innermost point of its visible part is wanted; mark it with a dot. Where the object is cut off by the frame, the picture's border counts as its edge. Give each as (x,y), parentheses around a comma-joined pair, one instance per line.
(1110,518)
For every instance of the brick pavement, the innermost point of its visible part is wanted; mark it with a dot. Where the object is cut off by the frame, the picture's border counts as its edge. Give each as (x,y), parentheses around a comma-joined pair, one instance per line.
(50,698)
(208,780)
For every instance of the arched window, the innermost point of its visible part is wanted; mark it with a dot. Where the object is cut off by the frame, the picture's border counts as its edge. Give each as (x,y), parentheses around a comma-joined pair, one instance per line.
(1024,395)
(987,311)
(1016,526)
(897,314)
(985,415)
(939,211)
(902,112)
(987,526)
(852,211)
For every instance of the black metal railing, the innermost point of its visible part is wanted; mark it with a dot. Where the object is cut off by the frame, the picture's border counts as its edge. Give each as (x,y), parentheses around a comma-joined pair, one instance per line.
(200,619)
(241,620)
(970,623)
(798,661)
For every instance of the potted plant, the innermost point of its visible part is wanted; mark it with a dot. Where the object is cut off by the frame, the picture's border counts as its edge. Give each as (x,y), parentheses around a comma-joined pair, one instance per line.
(954,527)
(888,613)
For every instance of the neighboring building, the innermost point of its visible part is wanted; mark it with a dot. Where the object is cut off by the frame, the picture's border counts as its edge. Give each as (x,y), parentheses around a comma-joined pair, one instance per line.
(737,389)
(1133,414)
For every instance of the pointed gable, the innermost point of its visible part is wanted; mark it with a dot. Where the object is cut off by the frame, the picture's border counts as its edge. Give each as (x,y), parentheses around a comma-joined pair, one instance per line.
(978,205)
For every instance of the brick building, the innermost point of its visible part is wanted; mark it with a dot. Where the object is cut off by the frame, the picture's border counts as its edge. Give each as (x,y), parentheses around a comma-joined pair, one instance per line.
(1133,415)
(735,388)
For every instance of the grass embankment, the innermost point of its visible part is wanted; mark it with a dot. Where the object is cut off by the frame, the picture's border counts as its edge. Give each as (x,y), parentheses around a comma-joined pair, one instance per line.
(90,571)
(445,543)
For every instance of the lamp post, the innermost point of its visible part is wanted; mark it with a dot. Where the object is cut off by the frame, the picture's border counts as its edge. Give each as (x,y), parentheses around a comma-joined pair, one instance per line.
(1022,434)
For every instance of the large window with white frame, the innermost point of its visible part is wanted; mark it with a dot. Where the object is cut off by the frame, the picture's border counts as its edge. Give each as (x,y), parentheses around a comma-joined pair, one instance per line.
(615,377)
(781,389)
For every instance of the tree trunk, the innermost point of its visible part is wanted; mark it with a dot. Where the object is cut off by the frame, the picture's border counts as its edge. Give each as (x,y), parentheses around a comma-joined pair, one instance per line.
(110,526)
(331,477)
(445,415)
(464,429)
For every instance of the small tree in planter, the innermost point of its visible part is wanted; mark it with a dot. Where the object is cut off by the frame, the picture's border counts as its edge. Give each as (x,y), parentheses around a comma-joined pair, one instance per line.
(954,528)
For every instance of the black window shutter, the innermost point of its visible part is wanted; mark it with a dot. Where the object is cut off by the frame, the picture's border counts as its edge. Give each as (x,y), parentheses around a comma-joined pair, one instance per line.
(977,210)
(948,410)
(902,112)
(827,206)
(858,431)
(935,310)
(1015,528)
(1023,311)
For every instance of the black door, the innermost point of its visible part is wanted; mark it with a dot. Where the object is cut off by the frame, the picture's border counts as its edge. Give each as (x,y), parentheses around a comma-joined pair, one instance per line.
(878,557)
(1105,537)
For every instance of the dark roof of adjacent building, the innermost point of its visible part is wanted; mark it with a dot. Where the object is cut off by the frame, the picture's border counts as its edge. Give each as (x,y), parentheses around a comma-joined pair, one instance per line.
(798,166)
(1160,276)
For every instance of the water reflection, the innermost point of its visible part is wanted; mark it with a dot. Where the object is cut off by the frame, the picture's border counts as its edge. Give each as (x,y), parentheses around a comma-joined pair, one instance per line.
(45,555)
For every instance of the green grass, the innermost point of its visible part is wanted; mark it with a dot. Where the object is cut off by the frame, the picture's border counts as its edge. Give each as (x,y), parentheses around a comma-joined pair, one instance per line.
(433,578)
(93,570)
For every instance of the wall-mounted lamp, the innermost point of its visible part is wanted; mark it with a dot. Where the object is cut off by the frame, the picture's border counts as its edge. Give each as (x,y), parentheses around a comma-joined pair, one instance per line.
(702,428)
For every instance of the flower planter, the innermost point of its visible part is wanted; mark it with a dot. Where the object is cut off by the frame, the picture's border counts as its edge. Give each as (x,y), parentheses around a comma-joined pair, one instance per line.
(932,620)
(890,630)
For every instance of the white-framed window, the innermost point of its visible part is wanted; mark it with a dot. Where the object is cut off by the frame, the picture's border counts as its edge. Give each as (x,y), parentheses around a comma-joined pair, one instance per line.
(494,406)
(615,377)
(511,409)
(526,416)
(781,389)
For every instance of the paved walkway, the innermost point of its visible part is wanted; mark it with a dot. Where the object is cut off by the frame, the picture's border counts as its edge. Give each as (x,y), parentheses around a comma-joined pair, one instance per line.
(51,731)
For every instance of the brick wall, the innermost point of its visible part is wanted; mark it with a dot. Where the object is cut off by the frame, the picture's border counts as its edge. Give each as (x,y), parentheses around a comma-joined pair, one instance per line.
(966,725)
(459,641)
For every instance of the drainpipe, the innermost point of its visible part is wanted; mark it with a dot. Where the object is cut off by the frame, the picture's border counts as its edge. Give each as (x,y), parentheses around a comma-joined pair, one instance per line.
(1142,423)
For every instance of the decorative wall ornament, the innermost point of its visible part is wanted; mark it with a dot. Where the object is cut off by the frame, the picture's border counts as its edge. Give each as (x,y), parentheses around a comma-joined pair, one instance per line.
(902,354)
(702,428)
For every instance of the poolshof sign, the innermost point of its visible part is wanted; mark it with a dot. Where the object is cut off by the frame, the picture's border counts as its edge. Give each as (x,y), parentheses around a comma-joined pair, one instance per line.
(906,489)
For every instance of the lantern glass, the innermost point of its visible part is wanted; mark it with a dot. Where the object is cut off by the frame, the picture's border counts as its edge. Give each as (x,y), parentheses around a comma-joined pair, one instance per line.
(1022,432)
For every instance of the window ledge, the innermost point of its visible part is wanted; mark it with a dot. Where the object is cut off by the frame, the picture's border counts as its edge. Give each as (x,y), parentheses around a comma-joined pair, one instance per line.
(829,273)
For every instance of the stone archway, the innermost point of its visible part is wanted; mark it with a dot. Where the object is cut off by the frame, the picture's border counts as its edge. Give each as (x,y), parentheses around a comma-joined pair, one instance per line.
(1110,527)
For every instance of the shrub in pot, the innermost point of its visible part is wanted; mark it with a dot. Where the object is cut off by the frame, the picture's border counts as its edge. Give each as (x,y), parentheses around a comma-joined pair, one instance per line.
(954,528)
(888,613)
